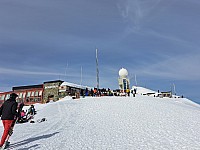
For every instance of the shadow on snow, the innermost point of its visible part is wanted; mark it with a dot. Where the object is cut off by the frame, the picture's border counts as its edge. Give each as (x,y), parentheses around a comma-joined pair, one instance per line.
(29,140)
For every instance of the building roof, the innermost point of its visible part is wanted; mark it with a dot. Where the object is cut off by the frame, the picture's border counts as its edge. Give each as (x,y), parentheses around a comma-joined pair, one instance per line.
(27,87)
(53,81)
(74,85)
(166,92)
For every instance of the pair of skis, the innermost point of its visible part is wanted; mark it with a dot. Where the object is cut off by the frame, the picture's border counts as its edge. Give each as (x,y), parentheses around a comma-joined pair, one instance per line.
(7,143)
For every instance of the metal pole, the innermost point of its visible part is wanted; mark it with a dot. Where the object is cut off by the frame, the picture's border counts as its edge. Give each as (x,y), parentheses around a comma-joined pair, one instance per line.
(135,80)
(97,69)
(81,77)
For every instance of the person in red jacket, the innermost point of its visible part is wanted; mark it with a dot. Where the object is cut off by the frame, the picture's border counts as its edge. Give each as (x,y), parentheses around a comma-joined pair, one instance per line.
(8,112)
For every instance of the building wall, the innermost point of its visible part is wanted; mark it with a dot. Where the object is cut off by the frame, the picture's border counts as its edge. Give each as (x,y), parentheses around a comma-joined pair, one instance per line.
(42,93)
(124,83)
(27,96)
(51,90)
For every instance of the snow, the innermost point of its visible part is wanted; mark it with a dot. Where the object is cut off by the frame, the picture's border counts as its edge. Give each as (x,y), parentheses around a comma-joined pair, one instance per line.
(142,90)
(73,85)
(111,123)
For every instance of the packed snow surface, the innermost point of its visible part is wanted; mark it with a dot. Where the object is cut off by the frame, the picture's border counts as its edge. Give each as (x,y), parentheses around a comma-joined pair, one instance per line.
(142,90)
(111,123)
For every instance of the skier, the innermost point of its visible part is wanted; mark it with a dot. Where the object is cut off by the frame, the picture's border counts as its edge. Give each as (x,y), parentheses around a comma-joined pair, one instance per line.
(8,112)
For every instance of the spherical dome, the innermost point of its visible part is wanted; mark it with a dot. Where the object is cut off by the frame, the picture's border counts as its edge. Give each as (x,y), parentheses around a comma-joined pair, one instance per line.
(123,72)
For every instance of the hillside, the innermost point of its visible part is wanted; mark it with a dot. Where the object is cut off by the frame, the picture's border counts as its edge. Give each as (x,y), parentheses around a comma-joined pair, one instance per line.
(113,123)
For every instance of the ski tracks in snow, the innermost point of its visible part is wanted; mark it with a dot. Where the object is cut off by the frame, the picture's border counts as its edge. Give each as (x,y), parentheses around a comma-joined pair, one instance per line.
(109,123)
(58,120)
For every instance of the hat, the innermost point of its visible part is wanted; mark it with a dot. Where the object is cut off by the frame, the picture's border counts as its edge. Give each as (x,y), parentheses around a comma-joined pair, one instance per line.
(13,95)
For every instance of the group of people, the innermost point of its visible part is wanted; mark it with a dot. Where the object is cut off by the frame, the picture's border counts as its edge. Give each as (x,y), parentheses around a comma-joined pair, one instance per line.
(25,116)
(10,114)
(97,92)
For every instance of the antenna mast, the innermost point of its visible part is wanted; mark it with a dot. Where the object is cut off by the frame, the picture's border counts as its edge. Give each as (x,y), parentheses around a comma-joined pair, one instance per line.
(66,71)
(135,80)
(97,68)
(81,75)
(174,89)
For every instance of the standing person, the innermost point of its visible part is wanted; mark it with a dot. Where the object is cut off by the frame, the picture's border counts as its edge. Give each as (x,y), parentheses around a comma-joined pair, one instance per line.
(8,112)
(92,92)
(135,90)
(31,110)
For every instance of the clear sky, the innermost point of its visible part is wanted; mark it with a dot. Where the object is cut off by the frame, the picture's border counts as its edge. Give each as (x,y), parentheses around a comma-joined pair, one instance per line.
(157,40)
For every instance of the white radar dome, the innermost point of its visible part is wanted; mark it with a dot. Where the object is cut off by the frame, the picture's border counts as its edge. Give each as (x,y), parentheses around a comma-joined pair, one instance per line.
(123,72)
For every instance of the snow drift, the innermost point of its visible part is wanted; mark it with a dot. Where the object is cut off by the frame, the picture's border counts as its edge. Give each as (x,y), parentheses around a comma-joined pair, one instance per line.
(111,123)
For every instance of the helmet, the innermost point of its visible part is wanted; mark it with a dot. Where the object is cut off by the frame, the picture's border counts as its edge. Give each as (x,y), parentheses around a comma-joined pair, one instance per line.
(13,95)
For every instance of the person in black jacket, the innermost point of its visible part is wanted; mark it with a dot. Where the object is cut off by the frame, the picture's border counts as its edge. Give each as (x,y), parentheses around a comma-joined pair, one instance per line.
(8,112)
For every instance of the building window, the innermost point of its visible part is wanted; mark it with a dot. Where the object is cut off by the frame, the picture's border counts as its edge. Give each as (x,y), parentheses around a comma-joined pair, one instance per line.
(7,96)
(28,94)
(40,94)
(20,95)
(24,95)
(32,94)
(37,99)
(2,97)
(36,94)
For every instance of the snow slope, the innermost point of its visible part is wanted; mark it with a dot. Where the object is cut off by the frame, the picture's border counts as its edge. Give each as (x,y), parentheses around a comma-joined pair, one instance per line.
(111,123)
(142,90)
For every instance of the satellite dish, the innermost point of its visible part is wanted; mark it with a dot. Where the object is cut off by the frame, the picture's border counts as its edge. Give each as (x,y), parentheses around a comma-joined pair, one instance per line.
(123,72)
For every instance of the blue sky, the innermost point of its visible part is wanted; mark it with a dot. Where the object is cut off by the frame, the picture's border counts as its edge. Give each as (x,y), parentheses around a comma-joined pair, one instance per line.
(157,40)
